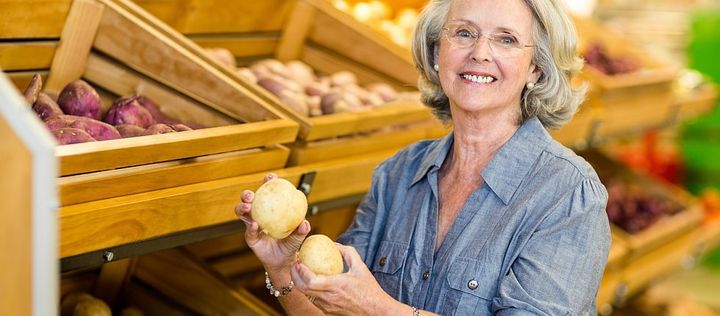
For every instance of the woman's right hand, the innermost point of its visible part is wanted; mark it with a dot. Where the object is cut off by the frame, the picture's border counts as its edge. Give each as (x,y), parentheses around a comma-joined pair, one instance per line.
(276,255)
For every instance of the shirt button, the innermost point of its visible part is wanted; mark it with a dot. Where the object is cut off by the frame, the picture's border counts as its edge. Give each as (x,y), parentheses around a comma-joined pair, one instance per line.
(426,275)
(472,284)
(383,260)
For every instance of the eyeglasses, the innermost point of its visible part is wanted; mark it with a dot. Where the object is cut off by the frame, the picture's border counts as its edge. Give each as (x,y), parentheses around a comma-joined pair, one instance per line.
(464,35)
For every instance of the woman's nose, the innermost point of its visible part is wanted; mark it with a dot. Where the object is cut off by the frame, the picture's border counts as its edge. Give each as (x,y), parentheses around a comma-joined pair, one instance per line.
(482,51)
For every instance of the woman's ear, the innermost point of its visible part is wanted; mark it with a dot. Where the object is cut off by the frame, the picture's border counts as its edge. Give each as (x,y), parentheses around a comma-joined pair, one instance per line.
(535,73)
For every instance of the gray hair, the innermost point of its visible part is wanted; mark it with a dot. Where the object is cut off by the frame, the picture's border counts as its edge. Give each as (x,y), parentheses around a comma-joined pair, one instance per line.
(553,100)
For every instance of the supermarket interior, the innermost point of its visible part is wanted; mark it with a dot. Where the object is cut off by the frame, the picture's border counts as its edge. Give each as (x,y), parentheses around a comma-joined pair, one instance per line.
(131,128)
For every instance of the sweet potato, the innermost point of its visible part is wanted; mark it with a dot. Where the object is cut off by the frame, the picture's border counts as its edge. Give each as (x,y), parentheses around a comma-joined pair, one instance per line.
(33,89)
(69,135)
(129,111)
(98,130)
(159,129)
(79,98)
(45,107)
(180,127)
(129,130)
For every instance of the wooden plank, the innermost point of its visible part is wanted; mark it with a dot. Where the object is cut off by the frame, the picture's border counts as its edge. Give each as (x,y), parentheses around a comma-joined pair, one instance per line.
(111,154)
(295,31)
(27,55)
(124,82)
(238,264)
(218,16)
(328,62)
(32,18)
(218,247)
(16,225)
(345,147)
(147,50)
(343,34)
(242,45)
(113,280)
(395,113)
(201,289)
(152,303)
(126,181)
(75,42)
(22,79)
(102,224)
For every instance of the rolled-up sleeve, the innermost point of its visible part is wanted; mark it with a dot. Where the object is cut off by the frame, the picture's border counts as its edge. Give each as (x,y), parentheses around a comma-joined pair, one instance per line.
(558,270)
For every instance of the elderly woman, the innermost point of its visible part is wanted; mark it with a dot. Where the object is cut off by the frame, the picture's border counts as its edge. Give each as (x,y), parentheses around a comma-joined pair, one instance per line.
(495,218)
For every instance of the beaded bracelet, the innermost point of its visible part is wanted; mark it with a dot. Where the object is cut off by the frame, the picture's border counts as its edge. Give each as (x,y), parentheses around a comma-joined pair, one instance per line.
(416,312)
(274,292)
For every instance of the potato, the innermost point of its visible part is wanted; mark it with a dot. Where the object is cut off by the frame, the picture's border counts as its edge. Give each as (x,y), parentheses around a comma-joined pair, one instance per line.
(69,301)
(342,78)
(45,107)
(272,84)
(180,127)
(222,55)
(79,98)
(33,89)
(129,130)
(385,90)
(247,74)
(69,135)
(159,128)
(279,208)
(299,72)
(129,111)
(320,254)
(92,307)
(296,101)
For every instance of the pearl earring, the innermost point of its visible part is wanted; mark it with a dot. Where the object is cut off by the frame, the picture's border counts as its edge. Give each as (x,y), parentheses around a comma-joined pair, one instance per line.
(436,67)
(530,85)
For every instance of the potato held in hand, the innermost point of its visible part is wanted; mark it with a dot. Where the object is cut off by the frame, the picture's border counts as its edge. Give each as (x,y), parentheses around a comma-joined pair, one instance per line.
(320,254)
(279,208)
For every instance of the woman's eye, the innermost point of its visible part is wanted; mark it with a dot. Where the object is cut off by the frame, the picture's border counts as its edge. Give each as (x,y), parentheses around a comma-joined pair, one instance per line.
(506,40)
(463,33)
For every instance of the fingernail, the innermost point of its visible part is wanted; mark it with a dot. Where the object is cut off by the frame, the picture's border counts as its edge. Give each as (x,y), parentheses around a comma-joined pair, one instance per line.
(297,267)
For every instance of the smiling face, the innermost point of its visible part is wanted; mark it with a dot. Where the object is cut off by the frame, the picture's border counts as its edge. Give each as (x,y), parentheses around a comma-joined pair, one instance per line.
(480,79)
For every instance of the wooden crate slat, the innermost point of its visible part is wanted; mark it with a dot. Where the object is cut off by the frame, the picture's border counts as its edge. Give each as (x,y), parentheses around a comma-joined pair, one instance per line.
(342,33)
(378,117)
(33,18)
(124,82)
(27,55)
(239,45)
(218,16)
(75,42)
(126,37)
(95,186)
(96,156)
(295,31)
(337,148)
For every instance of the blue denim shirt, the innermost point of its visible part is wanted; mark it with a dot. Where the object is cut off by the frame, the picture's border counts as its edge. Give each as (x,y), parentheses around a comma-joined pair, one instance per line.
(533,239)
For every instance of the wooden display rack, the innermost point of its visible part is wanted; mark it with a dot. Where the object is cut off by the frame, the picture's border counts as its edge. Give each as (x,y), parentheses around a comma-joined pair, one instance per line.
(628,102)
(612,277)
(121,50)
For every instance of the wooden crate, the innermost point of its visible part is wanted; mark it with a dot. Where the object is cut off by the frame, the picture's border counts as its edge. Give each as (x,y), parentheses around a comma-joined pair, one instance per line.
(612,276)
(629,102)
(328,40)
(122,51)
(695,103)
(668,227)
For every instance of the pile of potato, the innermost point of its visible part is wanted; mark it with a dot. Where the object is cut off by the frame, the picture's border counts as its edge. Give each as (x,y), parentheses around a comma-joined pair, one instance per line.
(298,86)
(76,116)
(398,27)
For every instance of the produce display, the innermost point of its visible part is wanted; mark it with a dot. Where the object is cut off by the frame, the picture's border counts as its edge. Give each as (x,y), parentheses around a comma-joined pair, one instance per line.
(320,254)
(76,116)
(279,208)
(597,57)
(633,208)
(710,199)
(299,87)
(398,26)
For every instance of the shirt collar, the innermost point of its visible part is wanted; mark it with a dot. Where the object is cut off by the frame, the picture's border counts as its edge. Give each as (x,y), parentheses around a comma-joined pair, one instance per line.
(508,167)
(515,158)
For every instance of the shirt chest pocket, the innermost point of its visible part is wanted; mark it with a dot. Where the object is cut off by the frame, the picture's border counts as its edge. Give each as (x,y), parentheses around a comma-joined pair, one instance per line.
(387,265)
(472,287)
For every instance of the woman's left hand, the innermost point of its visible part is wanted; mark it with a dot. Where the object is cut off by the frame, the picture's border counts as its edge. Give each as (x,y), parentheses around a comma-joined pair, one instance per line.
(355,292)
